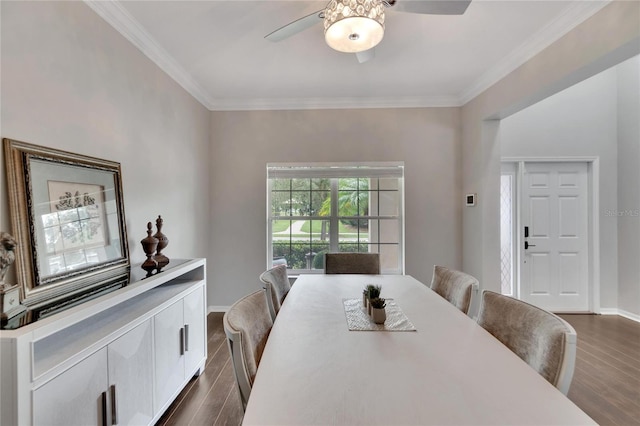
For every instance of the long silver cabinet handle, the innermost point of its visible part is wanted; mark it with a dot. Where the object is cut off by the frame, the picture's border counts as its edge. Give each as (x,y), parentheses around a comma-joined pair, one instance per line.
(186,337)
(114,407)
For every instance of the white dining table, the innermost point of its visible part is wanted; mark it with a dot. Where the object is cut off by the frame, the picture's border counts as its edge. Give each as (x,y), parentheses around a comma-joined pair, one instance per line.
(449,371)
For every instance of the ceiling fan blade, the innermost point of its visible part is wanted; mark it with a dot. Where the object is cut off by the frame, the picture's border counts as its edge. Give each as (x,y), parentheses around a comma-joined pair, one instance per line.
(366,55)
(431,7)
(296,26)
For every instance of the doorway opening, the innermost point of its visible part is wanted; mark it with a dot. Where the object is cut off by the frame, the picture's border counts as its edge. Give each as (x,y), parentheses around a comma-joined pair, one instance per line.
(548,232)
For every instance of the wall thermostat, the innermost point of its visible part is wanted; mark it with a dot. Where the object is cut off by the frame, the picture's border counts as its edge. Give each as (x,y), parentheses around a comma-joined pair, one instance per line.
(470,199)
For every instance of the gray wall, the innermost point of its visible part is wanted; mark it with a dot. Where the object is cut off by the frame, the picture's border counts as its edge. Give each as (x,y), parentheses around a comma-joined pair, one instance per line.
(579,121)
(607,38)
(71,82)
(596,117)
(427,140)
(628,74)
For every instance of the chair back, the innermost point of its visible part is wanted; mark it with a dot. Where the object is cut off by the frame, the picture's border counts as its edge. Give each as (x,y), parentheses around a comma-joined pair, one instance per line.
(455,286)
(247,324)
(543,340)
(352,263)
(276,286)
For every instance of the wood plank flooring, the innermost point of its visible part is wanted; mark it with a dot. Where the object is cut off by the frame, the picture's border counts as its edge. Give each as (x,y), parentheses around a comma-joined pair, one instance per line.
(606,382)
(212,398)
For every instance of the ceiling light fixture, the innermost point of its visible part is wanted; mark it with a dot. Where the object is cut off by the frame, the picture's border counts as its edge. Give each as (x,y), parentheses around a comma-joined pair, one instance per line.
(353,25)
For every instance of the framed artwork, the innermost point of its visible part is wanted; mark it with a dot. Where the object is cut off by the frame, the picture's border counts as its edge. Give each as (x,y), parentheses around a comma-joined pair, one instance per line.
(68,218)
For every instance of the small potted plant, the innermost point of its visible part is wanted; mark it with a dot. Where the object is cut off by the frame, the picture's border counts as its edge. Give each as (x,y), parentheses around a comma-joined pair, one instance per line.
(378,313)
(373,292)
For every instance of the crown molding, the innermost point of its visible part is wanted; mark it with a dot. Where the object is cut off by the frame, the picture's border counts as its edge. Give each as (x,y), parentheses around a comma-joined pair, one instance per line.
(334,103)
(122,21)
(573,15)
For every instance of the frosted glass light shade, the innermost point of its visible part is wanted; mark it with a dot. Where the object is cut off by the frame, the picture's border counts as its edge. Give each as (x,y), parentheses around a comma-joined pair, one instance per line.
(353,25)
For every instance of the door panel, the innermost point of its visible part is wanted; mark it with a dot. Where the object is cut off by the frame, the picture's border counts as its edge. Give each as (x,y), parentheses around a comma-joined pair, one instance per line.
(131,375)
(169,366)
(569,276)
(540,283)
(75,396)
(194,318)
(568,211)
(555,266)
(539,215)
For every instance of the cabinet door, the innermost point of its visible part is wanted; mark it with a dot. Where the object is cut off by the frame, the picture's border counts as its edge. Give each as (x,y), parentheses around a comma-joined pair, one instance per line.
(195,323)
(169,365)
(131,376)
(75,397)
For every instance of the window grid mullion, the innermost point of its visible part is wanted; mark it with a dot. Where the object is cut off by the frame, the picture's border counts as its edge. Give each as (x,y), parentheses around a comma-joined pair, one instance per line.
(290,214)
(358,214)
(269,221)
(310,225)
(378,247)
(334,233)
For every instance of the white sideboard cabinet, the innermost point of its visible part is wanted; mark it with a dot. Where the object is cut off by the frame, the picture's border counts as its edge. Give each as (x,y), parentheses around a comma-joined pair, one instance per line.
(176,359)
(119,359)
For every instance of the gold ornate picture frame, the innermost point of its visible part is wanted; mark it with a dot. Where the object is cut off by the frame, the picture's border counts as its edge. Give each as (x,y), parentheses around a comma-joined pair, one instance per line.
(67,215)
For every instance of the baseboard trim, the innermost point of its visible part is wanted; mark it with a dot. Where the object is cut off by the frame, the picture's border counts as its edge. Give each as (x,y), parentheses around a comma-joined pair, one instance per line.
(217,309)
(629,315)
(620,312)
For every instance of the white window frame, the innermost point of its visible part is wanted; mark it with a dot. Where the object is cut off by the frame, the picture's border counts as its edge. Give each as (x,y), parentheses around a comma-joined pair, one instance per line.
(335,171)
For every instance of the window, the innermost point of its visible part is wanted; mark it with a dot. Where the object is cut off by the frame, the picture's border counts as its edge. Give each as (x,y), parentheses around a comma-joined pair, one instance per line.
(339,207)
(507,228)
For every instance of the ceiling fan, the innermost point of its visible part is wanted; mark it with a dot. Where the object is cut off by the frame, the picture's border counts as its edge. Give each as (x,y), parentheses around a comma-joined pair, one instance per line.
(357,26)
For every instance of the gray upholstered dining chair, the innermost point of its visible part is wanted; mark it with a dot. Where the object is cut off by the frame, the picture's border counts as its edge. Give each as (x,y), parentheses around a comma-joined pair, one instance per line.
(543,340)
(276,286)
(352,263)
(247,325)
(455,286)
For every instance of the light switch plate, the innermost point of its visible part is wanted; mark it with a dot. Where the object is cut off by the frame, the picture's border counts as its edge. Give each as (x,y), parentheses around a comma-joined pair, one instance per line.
(470,199)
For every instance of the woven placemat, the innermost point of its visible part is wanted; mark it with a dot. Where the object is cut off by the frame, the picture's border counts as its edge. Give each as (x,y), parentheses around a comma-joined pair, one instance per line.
(358,320)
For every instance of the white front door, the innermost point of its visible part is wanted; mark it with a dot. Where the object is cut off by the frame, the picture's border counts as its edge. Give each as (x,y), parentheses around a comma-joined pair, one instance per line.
(554,270)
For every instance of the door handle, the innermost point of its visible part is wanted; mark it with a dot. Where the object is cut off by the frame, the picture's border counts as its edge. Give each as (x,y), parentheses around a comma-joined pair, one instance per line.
(114,408)
(182,342)
(526,231)
(527,245)
(104,408)
(186,337)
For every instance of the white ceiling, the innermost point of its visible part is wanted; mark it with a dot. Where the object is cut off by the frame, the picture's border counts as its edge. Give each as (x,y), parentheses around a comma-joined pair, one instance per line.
(216,50)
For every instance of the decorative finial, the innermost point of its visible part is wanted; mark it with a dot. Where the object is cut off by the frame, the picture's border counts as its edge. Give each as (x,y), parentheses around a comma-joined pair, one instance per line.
(163,241)
(149,245)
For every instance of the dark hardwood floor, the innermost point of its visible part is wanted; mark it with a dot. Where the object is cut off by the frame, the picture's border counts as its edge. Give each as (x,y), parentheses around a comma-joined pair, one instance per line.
(212,398)
(606,382)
